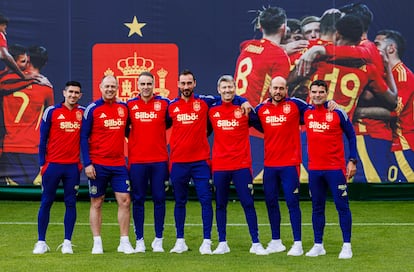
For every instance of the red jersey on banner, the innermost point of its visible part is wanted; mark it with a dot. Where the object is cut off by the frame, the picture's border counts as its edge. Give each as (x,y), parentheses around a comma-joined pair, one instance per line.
(366,50)
(259,61)
(23,111)
(127,61)
(147,140)
(3,40)
(345,84)
(231,148)
(404,79)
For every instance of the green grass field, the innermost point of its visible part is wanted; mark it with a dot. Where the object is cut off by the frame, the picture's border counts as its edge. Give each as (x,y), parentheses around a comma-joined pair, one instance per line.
(382,240)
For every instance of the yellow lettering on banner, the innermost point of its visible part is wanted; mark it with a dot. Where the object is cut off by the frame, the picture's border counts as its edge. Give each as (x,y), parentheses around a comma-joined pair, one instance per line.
(405,167)
(243,71)
(40,117)
(23,106)
(259,178)
(304,176)
(266,85)
(369,169)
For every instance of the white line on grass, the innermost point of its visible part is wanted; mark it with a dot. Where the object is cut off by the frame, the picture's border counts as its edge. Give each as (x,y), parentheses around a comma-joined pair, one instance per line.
(229,224)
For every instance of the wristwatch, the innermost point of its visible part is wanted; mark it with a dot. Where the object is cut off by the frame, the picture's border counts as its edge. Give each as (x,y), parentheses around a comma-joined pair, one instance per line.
(353,160)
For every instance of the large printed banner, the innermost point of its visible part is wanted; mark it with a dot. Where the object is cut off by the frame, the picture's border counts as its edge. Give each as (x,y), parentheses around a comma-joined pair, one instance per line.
(85,41)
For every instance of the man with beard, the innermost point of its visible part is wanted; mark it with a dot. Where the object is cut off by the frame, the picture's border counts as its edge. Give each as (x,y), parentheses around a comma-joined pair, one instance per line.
(190,157)
(279,119)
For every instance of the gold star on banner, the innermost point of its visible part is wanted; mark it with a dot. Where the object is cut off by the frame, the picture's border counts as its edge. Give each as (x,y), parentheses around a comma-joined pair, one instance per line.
(135,27)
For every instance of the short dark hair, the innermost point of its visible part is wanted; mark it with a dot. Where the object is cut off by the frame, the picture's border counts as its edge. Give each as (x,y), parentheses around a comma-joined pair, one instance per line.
(397,38)
(73,83)
(16,50)
(309,19)
(350,27)
(360,10)
(294,25)
(38,56)
(4,20)
(271,19)
(186,72)
(145,73)
(328,22)
(319,82)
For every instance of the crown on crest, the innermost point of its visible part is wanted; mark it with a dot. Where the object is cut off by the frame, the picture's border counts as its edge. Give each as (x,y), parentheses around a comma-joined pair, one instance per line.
(135,65)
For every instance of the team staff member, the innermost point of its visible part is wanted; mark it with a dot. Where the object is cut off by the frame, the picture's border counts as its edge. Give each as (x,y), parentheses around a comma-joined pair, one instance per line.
(102,146)
(279,118)
(189,157)
(231,161)
(327,170)
(59,157)
(148,157)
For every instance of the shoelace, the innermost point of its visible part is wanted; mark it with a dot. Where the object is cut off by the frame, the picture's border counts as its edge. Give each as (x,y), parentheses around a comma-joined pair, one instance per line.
(48,248)
(61,245)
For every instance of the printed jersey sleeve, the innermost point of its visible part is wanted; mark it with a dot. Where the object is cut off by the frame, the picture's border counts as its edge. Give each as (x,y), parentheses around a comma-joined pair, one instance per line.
(349,132)
(86,129)
(44,134)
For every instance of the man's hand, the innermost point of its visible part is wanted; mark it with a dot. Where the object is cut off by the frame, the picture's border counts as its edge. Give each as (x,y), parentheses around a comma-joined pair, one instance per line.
(42,80)
(295,46)
(350,170)
(246,108)
(90,171)
(304,65)
(332,105)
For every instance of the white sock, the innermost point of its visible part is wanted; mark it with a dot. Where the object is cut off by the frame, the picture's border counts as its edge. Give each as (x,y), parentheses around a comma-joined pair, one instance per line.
(124,239)
(97,239)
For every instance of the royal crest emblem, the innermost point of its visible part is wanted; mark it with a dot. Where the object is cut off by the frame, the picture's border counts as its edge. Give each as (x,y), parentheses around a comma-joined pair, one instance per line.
(329,116)
(157,105)
(121,112)
(79,115)
(238,113)
(286,108)
(196,106)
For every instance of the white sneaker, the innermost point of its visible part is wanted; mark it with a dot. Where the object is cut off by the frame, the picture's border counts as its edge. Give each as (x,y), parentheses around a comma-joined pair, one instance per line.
(258,249)
(222,248)
(179,246)
(126,247)
(66,247)
(205,247)
(40,248)
(97,247)
(316,251)
(157,245)
(140,246)
(346,252)
(275,246)
(296,249)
